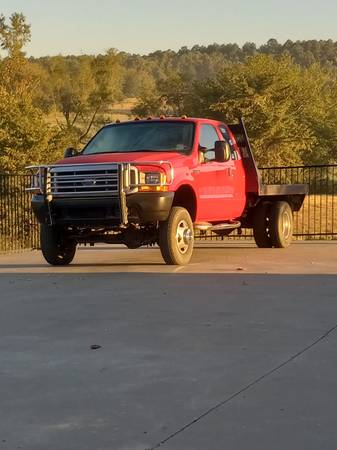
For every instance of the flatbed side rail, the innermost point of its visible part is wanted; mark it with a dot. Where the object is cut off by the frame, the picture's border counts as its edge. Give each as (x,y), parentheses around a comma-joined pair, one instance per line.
(283,189)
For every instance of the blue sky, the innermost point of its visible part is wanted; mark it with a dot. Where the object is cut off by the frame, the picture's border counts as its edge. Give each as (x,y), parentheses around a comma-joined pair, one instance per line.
(142,26)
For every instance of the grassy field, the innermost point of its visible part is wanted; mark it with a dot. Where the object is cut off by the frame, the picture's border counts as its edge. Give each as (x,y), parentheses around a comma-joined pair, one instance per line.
(122,110)
(317,216)
(118,111)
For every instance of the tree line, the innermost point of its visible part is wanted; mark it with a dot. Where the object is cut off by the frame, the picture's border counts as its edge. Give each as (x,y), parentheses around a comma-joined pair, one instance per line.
(286,92)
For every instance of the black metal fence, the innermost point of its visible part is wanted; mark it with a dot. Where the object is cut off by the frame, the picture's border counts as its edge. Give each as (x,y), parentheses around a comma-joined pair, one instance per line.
(318,216)
(18,227)
(316,220)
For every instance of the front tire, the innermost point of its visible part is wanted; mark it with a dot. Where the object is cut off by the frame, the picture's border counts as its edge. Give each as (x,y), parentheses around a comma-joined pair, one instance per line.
(176,237)
(56,248)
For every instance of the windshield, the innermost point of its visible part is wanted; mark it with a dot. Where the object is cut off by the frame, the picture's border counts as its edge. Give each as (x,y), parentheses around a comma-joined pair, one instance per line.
(143,136)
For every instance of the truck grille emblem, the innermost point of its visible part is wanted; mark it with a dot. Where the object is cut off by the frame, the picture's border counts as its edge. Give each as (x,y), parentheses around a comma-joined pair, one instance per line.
(89,182)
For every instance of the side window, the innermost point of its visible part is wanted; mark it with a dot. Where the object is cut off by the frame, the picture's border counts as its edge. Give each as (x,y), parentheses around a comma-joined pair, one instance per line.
(226,137)
(208,137)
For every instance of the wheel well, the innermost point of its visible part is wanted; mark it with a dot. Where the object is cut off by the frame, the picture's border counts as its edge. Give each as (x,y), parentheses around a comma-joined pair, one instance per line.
(295,200)
(185,197)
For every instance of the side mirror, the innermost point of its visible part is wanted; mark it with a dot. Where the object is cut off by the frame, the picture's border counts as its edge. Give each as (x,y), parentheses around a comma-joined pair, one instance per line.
(70,152)
(222,151)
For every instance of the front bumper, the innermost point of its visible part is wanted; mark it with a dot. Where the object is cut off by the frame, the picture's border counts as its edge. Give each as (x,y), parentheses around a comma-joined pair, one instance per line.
(142,208)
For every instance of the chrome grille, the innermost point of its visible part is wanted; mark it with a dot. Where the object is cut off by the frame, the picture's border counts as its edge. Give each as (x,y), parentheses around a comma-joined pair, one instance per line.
(95,180)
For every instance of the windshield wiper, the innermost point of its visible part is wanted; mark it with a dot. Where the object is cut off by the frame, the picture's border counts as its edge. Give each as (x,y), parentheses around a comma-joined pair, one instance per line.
(155,151)
(133,151)
(143,150)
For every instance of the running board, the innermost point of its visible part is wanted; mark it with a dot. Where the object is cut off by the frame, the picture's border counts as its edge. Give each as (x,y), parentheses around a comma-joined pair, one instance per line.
(206,226)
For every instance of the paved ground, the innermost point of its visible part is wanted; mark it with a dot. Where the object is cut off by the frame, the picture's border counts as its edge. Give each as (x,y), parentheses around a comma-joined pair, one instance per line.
(237,351)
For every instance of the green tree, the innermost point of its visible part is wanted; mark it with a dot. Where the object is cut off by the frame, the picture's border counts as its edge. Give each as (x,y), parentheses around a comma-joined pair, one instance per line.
(25,138)
(108,83)
(15,35)
(82,89)
(167,99)
(320,113)
(282,103)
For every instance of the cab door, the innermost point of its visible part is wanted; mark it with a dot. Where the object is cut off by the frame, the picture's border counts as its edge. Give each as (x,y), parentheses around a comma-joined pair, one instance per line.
(238,174)
(214,180)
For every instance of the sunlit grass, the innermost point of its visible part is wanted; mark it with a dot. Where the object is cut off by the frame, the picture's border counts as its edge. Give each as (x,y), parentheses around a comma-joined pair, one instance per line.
(118,111)
(317,216)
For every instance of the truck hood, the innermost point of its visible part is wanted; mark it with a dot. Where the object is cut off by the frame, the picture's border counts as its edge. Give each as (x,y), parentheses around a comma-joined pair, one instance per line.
(132,157)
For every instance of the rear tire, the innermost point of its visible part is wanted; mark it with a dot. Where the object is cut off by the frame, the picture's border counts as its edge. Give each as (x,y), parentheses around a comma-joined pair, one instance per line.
(281,224)
(56,248)
(261,225)
(176,237)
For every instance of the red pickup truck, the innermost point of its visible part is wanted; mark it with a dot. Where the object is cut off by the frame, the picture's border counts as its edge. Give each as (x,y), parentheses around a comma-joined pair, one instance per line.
(159,181)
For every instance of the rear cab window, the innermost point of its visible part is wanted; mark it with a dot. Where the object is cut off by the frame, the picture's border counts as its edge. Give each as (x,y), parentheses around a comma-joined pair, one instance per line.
(225,135)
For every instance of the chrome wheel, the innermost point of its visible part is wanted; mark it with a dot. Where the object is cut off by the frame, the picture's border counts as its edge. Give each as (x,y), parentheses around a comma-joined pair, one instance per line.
(286,224)
(281,224)
(184,236)
(176,237)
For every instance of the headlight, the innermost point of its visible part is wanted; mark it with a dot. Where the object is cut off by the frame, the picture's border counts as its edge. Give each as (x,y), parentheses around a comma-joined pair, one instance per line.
(152,178)
(152,181)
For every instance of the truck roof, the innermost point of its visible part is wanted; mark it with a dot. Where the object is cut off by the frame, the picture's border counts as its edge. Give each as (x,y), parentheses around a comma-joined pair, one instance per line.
(169,119)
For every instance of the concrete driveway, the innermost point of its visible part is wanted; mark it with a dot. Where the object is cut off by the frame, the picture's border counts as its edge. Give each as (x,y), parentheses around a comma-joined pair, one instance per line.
(236,351)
